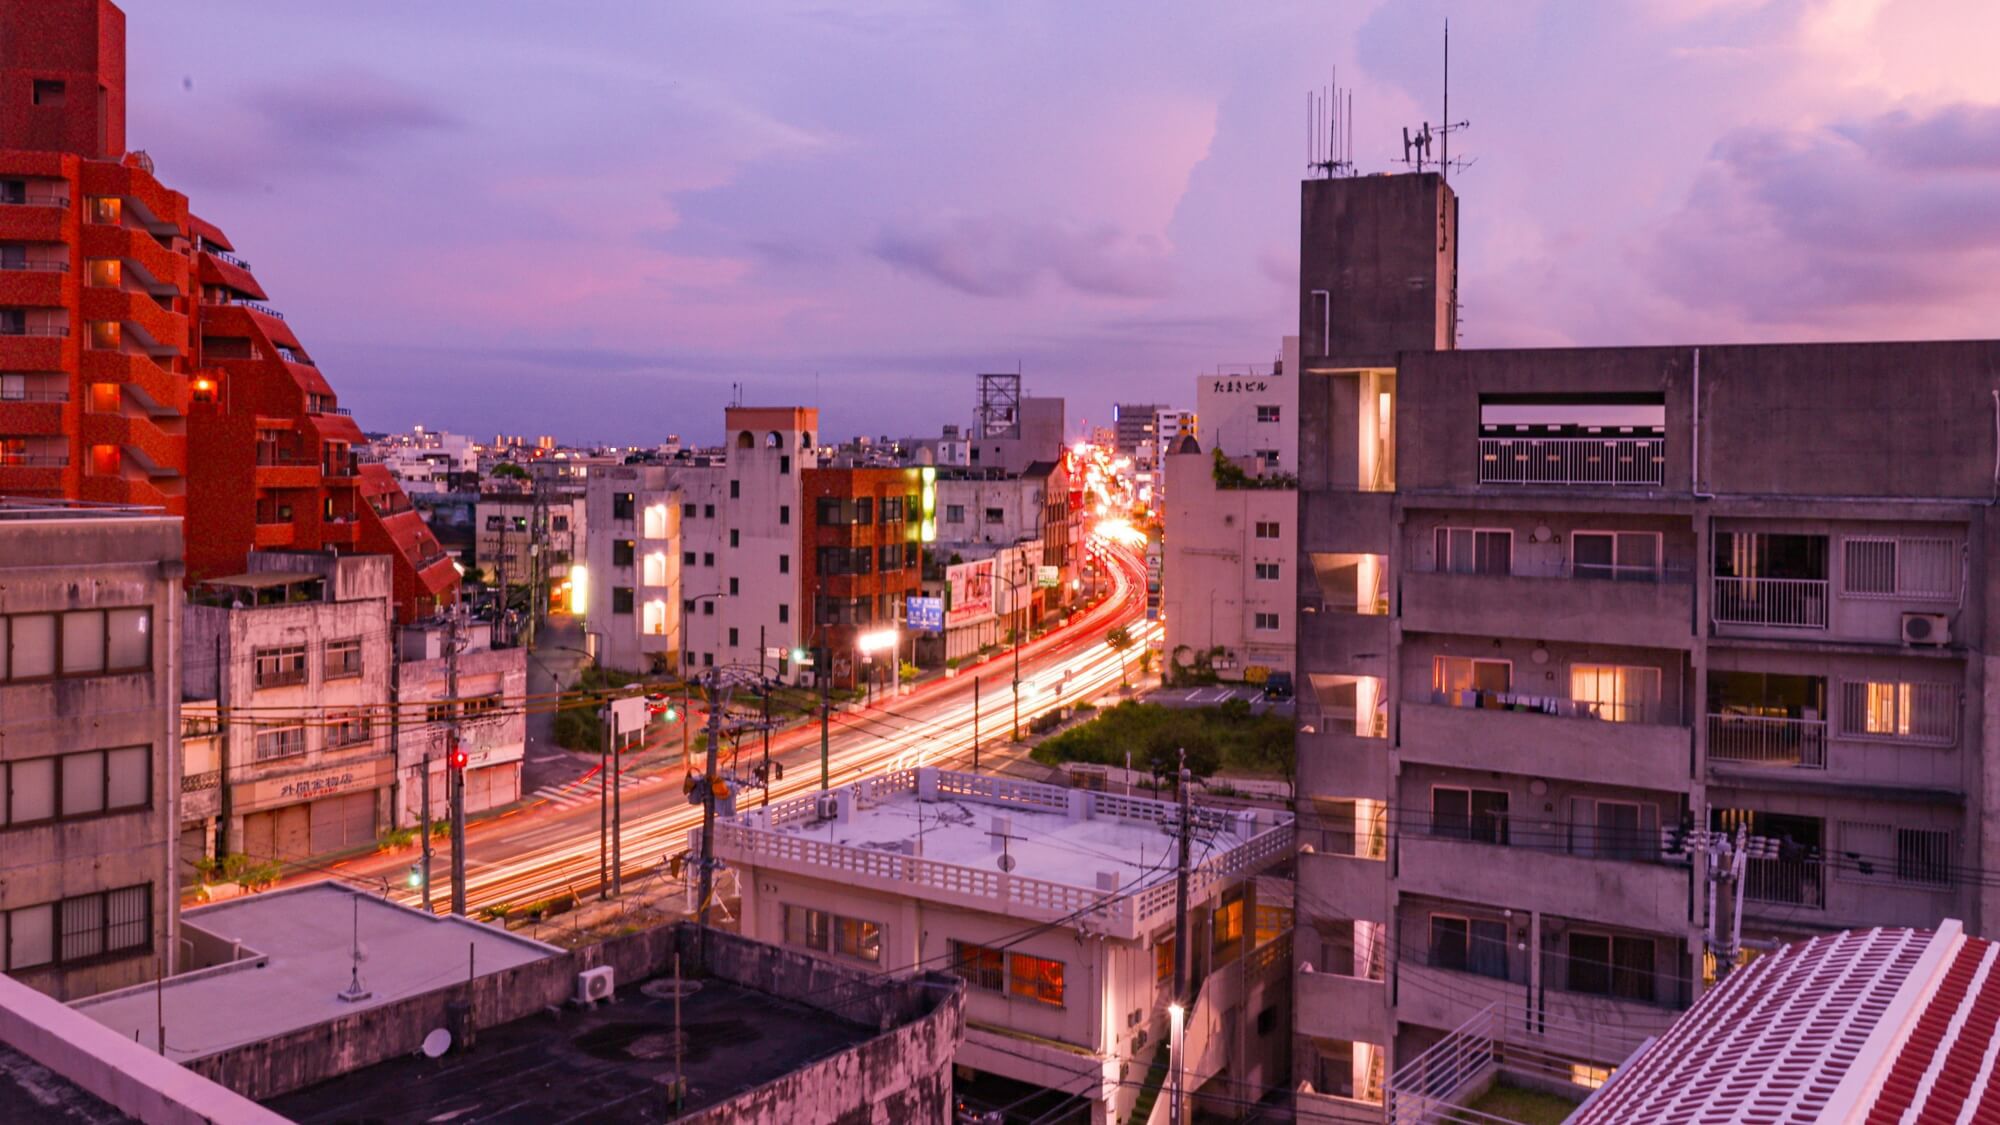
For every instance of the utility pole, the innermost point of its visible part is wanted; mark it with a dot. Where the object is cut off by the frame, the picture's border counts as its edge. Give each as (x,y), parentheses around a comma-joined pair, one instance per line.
(426,797)
(1183,962)
(975,724)
(708,815)
(766,686)
(1014,611)
(617,800)
(454,640)
(603,800)
(825,713)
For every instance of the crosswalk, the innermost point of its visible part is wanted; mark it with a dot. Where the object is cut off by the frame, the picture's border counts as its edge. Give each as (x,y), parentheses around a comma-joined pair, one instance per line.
(585,789)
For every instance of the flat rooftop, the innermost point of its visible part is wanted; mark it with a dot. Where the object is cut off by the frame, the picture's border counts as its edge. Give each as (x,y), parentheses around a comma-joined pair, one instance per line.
(295,960)
(52,508)
(606,1064)
(1008,846)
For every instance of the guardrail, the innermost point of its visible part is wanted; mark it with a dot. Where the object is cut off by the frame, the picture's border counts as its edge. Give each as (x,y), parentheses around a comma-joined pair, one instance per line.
(37,199)
(1760,741)
(1787,603)
(1572,460)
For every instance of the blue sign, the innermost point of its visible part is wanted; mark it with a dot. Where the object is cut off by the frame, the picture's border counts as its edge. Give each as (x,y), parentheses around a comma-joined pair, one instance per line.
(925,615)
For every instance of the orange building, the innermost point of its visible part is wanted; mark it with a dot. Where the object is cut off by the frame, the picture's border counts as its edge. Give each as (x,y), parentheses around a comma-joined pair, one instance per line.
(863,558)
(138,364)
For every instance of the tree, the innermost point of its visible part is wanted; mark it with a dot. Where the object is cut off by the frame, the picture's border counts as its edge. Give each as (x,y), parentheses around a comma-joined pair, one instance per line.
(510,469)
(1119,639)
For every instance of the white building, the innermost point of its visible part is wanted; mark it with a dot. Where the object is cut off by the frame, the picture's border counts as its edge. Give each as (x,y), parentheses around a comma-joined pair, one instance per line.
(296,653)
(493,728)
(89,620)
(1229,591)
(1254,411)
(1057,907)
(726,558)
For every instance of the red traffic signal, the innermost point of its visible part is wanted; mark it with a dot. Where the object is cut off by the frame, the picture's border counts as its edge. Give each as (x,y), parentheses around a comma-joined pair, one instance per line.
(456,758)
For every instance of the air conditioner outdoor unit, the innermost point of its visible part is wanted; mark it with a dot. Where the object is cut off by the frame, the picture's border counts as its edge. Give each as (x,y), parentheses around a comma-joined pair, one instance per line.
(826,806)
(593,986)
(1926,629)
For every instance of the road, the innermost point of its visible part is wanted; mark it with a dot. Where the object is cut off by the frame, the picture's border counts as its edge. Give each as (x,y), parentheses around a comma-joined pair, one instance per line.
(548,849)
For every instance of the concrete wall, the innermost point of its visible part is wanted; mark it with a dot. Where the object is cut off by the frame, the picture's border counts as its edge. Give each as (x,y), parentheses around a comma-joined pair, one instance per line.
(905,1068)
(1386,249)
(71,564)
(1211,594)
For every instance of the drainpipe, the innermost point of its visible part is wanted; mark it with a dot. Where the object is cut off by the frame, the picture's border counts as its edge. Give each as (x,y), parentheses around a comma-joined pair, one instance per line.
(1695,421)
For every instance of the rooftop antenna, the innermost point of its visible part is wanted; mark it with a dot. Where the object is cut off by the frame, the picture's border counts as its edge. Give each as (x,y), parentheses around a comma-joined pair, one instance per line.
(1417,147)
(1449,127)
(1330,130)
(354,993)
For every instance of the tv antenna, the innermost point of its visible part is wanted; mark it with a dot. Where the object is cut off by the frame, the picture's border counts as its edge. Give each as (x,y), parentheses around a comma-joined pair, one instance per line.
(1330,130)
(1445,166)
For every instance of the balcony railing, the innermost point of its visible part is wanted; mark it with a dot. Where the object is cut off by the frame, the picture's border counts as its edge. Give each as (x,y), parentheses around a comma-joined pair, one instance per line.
(56,330)
(196,782)
(226,256)
(1572,460)
(34,460)
(37,199)
(35,396)
(1760,741)
(1631,711)
(1792,882)
(44,267)
(259,306)
(1785,603)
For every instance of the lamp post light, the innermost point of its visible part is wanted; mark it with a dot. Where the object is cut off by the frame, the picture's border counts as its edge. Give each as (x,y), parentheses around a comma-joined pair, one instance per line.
(883,640)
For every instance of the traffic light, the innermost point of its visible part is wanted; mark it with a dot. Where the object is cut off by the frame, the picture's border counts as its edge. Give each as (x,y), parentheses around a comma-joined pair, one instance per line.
(456,758)
(416,876)
(801,657)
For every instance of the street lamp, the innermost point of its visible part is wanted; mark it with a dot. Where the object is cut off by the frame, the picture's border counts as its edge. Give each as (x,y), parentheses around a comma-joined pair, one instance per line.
(868,644)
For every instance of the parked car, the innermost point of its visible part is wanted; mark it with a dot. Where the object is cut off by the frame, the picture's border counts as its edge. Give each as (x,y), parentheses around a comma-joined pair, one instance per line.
(1278,688)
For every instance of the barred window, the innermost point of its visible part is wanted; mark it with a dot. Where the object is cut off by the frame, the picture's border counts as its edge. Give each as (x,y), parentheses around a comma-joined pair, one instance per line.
(1904,567)
(981,967)
(276,667)
(1883,853)
(1906,712)
(280,742)
(343,658)
(1035,978)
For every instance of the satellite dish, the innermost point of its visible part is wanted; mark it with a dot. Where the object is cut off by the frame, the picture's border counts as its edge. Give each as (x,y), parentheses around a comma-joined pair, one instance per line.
(437,1043)
(1006,862)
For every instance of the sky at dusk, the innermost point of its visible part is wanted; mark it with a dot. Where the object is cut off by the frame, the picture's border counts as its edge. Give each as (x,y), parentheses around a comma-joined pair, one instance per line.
(592,219)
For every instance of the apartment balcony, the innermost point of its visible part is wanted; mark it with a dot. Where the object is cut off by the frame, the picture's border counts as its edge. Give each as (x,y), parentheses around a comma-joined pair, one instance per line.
(1446,998)
(39,349)
(286,474)
(1617,462)
(1633,892)
(1331,641)
(1346,522)
(34,285)
(35,413)
(273,535)
(1641,755)
(1642,610)
(1352,885)
(1767,743)
(1774,605)
(40,219)
(130,244)
(1331,1006)
(1335,764)
(1635,1017)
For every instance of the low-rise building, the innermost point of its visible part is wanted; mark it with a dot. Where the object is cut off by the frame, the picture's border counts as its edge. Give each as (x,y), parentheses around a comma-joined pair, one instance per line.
(89,690)
(863,555)
(492,723)
(1056,907)
(1228,592)
(1253,410)
(529,539)
(296,654)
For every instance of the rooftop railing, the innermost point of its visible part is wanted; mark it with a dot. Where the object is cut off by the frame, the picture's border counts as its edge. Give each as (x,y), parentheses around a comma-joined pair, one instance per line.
(1618,461)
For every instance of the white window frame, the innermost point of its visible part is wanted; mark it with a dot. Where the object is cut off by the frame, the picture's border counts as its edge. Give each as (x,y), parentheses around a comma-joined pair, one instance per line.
(1257,622)
(1259,572)
(1473,663)
(1442,535)
(1618,564)
(1624,673)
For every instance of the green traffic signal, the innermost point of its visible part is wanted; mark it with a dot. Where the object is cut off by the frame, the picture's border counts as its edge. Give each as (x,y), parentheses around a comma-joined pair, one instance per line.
(416,876)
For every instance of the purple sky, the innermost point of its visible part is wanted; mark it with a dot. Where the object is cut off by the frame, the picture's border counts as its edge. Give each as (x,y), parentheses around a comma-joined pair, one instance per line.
(591,219)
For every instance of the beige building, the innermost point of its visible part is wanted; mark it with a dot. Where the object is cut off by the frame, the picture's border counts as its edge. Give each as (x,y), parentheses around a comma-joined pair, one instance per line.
(1056,906)
(1563,610)
(89,628)
(1228,593)
(493,725)
(1251,411)
(509,548)
(694,562)
(296,654)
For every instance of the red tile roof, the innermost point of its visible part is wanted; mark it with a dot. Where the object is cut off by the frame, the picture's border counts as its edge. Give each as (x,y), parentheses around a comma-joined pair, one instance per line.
(1875,1026)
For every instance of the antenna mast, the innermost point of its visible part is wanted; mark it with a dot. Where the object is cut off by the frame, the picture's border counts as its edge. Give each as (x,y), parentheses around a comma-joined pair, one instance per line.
(1330,130)
(1449,127)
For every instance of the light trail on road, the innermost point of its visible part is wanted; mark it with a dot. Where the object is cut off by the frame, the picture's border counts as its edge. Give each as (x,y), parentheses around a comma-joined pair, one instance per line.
(545,851)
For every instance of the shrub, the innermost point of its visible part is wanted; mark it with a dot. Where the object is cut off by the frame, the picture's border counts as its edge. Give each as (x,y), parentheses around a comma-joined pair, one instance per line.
(1214,738)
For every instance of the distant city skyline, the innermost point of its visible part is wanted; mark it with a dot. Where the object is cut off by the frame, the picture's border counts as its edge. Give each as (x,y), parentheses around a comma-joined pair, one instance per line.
(593,222)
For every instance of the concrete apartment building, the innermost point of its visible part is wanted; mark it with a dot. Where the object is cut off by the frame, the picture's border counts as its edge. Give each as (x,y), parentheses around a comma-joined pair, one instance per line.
(493,729)
(1227,589)
(1134,424)
(1020,522)
(1056,907)
(1555,601)
(89,620)
(521,541)
(737,516)
(296,653)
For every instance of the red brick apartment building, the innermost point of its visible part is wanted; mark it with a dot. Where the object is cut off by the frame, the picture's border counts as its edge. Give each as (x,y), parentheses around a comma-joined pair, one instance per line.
(139,363)
(863,556)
